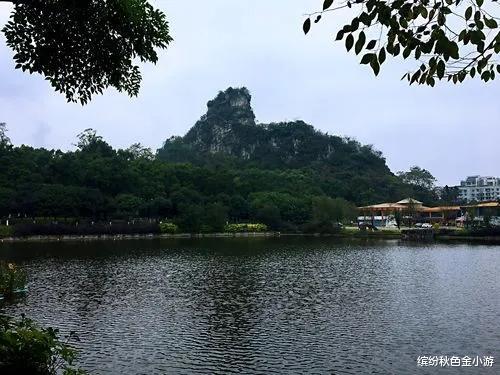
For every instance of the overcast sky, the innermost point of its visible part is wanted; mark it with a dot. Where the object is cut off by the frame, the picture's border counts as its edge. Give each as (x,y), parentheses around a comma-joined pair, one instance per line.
(453,131)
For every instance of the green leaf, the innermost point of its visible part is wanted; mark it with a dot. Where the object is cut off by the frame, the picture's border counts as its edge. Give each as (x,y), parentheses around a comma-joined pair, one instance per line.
(375,66)
(365,18)
(381,55)
(340,35)
(477,16)
(491,23)
(415,76)
(441,19)
(306,26)
(349,41)
(479,3)
(440,69)
(367,58)
(424,12)
(360,43)
(462,35)
(354,24)
(418,53)
(371,44)
(453,50)
(396,50)
(327,4)
(406,52)
(468,13)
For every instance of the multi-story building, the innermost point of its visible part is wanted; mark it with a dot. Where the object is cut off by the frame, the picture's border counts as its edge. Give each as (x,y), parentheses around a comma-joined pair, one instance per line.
(479,188)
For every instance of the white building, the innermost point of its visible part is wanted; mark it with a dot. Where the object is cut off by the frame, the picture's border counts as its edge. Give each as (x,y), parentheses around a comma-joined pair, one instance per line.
(480,188)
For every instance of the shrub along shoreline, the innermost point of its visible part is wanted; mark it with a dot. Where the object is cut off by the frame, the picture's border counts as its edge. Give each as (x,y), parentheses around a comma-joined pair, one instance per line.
(63,232)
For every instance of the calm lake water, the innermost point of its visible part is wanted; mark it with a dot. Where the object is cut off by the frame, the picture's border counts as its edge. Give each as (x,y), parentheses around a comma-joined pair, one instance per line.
(294,305)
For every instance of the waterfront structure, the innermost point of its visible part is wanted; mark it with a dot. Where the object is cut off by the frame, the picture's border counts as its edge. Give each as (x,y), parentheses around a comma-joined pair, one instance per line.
(479,189)
(479,212)
(384,214)
(380,215)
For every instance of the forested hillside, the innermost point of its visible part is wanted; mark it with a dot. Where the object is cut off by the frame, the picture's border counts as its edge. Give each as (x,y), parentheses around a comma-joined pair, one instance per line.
(227,136)
(226,168)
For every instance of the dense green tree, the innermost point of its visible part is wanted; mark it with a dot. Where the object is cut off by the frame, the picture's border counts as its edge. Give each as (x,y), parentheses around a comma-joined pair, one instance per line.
(283,175)
(4,139)
(97,182)
(270,215)
(292,208)
(418,177)
(239,208)
(7,197)
(398,217)
(450,39)
(329,210)
(157,208)
(83,47)
(449,195)
(91,143)
(137,151)
(127,205)
(190,218)
(216,216)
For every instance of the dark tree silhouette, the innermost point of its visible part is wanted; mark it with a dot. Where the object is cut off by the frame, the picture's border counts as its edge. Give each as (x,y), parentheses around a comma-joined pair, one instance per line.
(84,46)
(451,39)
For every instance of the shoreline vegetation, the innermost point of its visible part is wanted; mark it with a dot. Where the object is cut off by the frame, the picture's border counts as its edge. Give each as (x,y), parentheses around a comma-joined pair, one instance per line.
(286,178)
(353,233)
(25,346)
(228,168)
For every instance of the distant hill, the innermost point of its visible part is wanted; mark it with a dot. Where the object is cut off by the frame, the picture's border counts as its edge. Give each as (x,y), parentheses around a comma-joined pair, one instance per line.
(227,168)
(229,133)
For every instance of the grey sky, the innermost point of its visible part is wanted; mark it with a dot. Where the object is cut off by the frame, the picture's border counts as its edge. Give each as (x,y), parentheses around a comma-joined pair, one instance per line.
(451,130)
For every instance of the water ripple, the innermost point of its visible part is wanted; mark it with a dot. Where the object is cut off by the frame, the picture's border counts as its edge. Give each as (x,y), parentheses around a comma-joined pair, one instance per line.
(264,306)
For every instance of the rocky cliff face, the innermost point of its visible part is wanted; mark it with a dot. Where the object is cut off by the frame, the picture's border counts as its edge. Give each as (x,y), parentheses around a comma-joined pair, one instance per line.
(229,129)
(218,131)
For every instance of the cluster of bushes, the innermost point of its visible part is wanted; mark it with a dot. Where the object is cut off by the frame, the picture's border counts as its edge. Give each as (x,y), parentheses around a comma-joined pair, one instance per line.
(26,348)
(60,229)
(481,231)
(99,183)
(169,228)
(244,228)
(6,231)
(474,232)
(115,228)
(11,279)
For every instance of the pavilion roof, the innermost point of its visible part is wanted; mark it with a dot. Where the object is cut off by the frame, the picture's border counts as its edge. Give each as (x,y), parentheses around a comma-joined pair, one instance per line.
(441,209)
(484,204)
(409,201)
(384,207)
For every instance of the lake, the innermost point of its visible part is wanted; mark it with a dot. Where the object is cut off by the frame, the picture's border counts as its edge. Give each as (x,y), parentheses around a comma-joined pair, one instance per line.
(265,305)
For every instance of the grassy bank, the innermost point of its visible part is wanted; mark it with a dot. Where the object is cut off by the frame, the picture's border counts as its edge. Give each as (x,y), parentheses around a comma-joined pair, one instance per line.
(344,233)
(444,234)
